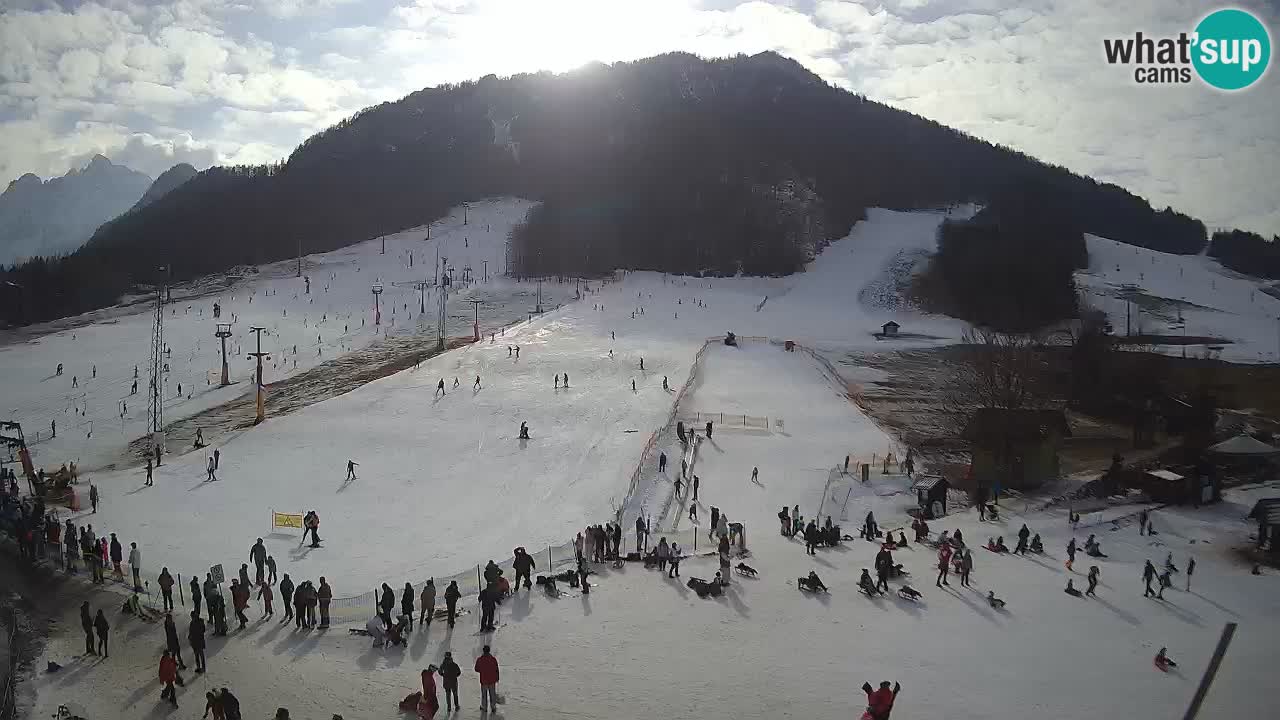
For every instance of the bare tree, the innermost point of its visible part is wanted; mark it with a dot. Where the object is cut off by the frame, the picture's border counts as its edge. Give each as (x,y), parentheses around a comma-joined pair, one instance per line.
(997,370)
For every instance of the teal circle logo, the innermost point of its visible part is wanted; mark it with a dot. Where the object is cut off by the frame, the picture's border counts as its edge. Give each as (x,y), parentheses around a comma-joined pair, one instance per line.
(1232,49)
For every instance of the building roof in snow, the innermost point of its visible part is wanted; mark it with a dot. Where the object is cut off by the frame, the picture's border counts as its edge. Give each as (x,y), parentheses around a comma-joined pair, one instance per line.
(927,482)
(1166,475)
(1243,445)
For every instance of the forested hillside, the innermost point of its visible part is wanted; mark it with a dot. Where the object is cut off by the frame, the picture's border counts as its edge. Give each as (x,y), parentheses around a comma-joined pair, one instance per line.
(747,164)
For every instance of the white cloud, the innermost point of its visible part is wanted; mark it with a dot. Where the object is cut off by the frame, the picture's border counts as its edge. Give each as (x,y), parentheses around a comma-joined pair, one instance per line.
(245,80)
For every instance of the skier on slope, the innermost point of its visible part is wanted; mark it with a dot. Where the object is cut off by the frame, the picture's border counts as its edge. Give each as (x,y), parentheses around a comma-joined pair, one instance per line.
(440,387)
(524,430)
(477,385)
(1148,574)
(351,469)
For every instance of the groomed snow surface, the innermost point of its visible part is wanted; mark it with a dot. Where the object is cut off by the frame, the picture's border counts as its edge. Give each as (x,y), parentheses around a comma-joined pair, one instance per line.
(1182,294)
(641,645)
(443,484)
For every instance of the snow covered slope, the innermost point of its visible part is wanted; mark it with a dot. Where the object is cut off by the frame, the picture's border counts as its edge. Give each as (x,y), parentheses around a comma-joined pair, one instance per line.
(1212,301)
(643,646)
(450,465)
(97,416)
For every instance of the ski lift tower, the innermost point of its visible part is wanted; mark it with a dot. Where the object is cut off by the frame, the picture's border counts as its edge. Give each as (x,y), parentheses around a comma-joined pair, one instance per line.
(377,310)
(445,282)
(155,400)
(261,400)
(224,332)
(476,327)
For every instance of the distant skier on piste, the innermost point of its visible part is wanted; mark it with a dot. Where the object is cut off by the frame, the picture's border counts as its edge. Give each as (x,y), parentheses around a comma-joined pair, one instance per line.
(351,469)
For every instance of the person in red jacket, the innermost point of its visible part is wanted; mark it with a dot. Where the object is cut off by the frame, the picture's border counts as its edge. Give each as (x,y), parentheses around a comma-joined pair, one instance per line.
(880,702)
(168,676)
(428,704)
(487,667)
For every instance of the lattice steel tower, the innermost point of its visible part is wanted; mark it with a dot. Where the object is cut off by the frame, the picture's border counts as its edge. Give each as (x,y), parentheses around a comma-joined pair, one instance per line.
(155,405)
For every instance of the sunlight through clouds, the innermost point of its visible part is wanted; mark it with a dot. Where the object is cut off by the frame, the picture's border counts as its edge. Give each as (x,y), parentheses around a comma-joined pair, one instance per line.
(249,79)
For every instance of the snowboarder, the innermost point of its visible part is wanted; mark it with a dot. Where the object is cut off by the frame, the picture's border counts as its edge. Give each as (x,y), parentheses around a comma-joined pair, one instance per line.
(93,496)
(1148,574)
(451,595)
(487,668)
(428,602)
(351,469)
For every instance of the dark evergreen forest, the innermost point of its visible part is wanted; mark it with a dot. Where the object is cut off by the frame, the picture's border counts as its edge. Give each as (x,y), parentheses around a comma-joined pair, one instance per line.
(674,163)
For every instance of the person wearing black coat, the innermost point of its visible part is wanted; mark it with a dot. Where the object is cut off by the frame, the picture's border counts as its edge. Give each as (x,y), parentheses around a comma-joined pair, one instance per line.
(406,603)
(884,564)
(811,538)
(195,638)
(1023,534)
(387,603)
(102,627)
(171,640)
(86,622)
(451,595)
(488,605)
(230,705)
(195,594)
(449,673)
(286,597)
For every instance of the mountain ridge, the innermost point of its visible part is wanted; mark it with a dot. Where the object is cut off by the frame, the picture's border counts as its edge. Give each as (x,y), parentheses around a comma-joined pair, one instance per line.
(678,163)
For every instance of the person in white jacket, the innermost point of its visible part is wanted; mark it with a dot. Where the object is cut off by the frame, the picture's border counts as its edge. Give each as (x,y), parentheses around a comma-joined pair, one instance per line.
(135,562)
(377,630)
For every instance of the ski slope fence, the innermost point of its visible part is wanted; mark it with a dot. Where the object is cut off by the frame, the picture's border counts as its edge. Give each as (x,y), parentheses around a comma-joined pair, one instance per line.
(646,455)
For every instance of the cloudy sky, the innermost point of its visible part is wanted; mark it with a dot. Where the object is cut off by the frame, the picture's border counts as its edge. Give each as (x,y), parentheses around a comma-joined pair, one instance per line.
(151,83)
